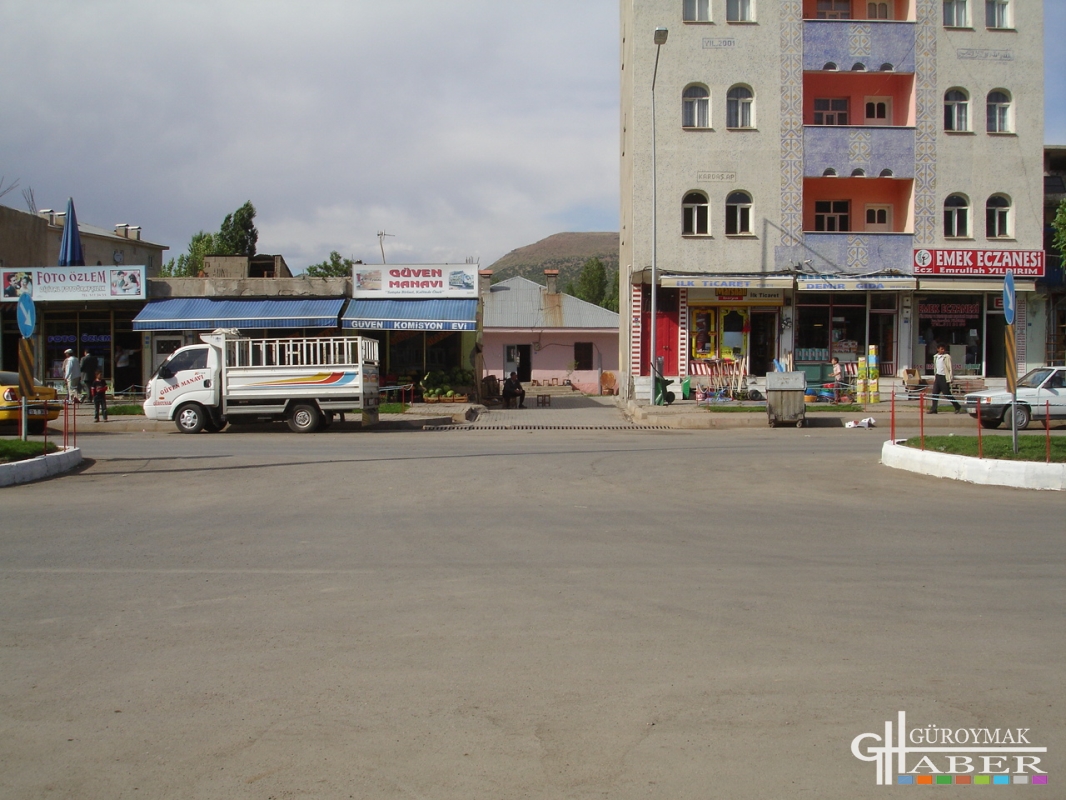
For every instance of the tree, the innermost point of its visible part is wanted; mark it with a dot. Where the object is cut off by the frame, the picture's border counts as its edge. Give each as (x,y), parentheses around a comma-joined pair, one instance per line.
(1058,237)
(592,282)
(190,263)
(335,267)
(238,236)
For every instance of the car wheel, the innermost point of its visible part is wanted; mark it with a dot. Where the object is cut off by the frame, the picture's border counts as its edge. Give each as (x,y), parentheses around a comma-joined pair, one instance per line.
(1021,417)
(755,394)
(304,418)
(190,418)
(991,423)
(36,427)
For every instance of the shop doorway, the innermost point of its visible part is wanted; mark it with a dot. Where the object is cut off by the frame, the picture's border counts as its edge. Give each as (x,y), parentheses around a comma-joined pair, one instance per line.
(667,329)
(518,358)
(995,346)
(763,342)
(162,347)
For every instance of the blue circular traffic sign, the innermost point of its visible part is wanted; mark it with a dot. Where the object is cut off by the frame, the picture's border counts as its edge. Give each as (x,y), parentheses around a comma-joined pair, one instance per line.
(27,315)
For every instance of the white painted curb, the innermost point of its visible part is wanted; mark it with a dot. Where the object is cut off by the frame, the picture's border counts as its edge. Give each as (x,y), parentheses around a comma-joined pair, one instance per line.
(987,471)
(33,469)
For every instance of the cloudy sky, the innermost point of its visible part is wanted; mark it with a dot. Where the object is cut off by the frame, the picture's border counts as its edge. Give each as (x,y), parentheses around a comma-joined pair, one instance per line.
(463,128)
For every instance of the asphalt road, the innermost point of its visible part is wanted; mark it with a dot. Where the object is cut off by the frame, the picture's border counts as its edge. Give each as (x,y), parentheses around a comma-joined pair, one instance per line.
(541,614)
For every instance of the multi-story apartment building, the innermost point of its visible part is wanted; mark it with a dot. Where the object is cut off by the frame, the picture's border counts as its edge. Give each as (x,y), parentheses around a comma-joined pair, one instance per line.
(830,175)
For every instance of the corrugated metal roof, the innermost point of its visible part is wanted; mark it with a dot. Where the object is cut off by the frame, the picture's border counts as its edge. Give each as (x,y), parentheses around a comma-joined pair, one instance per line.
(521,303)
(201,313)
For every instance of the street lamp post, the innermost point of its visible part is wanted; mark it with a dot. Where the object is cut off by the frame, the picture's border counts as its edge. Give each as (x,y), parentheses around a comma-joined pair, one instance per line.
(660,40)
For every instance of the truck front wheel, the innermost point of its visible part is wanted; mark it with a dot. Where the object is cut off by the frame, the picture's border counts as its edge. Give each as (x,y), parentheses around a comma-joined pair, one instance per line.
(304,418)
(190,418)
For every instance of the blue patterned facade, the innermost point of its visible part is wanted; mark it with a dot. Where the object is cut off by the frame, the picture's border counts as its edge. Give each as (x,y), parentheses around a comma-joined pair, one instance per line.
(849,254)
(871,44)
(870,149)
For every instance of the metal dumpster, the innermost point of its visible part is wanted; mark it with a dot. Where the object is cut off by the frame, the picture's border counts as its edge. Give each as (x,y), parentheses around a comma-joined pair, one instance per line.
(784,397)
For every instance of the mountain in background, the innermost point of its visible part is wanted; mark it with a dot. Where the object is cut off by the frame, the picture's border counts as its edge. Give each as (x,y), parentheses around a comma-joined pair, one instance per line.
(566,252)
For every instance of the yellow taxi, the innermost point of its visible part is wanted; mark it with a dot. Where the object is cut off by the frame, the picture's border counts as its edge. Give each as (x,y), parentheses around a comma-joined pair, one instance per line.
(11,403)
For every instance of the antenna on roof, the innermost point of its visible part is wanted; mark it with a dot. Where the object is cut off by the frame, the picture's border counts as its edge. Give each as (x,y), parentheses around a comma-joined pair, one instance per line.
(381,242)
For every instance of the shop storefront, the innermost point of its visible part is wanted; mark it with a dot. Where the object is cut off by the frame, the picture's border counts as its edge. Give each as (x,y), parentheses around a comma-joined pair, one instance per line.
(726,321)
(79,308)
(424,316)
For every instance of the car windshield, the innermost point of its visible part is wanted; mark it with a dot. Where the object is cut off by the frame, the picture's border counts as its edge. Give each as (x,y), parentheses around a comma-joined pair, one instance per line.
(1033,379)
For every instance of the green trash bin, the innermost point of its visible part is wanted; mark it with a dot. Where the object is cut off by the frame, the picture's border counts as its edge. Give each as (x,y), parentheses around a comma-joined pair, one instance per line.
(685,389)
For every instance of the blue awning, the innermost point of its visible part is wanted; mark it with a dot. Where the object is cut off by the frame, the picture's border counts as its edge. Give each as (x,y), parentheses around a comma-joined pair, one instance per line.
(411,315)
(201,313)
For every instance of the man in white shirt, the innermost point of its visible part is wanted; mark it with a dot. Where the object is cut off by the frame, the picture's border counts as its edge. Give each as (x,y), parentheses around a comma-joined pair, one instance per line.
(943,375)
(72,375)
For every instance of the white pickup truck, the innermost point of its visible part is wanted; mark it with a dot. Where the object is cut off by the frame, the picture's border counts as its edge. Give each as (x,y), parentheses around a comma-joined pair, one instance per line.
(232,379)
(1041,395)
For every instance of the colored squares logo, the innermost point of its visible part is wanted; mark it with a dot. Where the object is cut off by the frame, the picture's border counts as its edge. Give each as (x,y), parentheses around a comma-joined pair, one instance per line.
(968,780)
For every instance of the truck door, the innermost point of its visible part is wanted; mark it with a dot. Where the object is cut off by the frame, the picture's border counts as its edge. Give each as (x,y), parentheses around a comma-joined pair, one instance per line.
(185,376)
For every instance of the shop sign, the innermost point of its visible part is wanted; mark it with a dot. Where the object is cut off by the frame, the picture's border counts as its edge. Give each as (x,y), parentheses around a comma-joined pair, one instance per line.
(947,315)
(739,297)
(1023,263)
(74,283)
(415,280)
(411,325)
(822,284)
(725,283)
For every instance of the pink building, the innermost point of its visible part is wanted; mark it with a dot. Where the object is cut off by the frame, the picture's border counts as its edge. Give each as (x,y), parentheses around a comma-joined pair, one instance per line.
(549,337)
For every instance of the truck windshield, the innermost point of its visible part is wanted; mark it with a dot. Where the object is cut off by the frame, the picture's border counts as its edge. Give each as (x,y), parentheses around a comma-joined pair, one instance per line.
(194,358)
(1033,379)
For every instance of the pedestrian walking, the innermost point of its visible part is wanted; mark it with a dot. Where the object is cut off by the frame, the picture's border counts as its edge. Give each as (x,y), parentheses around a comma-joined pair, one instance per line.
(72,376)
(88,366)
(942,377)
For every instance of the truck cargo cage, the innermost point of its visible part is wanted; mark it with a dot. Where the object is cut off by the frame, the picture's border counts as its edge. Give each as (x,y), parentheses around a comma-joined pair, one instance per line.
(309,352)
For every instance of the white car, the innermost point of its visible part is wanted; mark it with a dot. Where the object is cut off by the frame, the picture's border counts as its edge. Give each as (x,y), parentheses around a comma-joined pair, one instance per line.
(1041,393)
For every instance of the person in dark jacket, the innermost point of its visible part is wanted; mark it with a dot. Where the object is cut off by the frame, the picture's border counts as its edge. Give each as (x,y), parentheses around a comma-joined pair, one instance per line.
(98,390)
(89,367)
(512,389)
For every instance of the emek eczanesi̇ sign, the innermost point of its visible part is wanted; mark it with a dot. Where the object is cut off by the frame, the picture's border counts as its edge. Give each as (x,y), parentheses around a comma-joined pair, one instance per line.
(1023,263)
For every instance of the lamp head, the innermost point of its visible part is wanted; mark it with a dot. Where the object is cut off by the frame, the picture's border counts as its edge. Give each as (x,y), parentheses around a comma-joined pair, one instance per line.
(660,35)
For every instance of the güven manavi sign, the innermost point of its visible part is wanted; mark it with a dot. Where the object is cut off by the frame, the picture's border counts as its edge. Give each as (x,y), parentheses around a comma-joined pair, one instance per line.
(1023,263)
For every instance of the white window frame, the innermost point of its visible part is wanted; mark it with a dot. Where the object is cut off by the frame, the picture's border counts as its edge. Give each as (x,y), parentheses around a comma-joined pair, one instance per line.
(693,213)
(956,218)
(830,218)
(740,111)
(875,120)
(696,10)
(997,112)
(740,11)
(878,209)
(696,110)
(997,14)
(998,218)
(830,115)
(956,14)
(957,111)
(738,214)
(877,9)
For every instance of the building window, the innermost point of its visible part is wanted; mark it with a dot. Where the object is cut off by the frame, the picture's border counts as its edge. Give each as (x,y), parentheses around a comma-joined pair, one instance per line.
(697,11)
(738,214)
(832,216)
(695,108)
(583,355)
(956,105)
(998,112)
(833,9)
(879,218)
(739,102)
(831,111)
(996,13)
(956,217)
(739,10)
(877,10)
(878,110)
(997,217)
(955,15)
(695,215)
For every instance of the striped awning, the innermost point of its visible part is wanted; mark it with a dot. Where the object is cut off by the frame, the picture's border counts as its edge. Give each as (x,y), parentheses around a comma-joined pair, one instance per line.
(201,313)
(411,315)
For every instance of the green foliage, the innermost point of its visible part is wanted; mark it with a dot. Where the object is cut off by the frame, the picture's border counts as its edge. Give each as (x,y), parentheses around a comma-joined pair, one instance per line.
(1031,447)
(592,282)
(238,236)
(335,267)
(1058,238)
(18,450)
